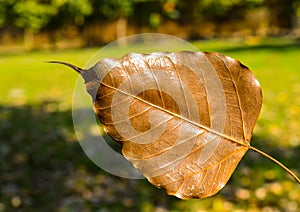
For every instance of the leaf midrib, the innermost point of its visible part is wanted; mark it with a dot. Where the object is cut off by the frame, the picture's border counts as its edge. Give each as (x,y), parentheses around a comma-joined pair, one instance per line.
(176,115)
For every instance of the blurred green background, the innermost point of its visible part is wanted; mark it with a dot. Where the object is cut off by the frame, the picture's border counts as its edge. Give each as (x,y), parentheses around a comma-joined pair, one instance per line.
(42,166)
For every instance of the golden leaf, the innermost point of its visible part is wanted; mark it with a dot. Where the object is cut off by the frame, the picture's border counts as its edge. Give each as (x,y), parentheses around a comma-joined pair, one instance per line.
(184,120)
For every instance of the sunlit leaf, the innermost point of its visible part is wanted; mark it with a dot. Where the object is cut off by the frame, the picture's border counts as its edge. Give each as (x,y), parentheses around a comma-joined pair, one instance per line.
(184,119)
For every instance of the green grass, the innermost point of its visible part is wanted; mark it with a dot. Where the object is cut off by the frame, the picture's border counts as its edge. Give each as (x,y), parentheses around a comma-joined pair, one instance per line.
(25,77)
(42,167)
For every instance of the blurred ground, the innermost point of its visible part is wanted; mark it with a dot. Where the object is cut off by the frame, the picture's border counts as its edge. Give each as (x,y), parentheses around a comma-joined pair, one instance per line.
(43,168)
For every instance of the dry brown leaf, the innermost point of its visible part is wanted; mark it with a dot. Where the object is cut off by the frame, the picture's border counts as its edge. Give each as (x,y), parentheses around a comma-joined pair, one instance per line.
(183,119)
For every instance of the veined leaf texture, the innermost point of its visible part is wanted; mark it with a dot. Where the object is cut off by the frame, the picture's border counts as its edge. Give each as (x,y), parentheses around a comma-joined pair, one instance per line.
(184,119)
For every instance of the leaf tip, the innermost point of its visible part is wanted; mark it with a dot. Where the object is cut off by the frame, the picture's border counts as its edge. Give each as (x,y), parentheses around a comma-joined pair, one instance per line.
(75,68)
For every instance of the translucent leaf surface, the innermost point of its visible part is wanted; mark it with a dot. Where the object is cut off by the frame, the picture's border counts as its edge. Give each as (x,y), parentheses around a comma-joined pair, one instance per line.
(184,119)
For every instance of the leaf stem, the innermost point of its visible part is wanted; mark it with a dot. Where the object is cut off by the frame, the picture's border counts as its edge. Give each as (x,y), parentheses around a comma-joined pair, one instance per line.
(277,162)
